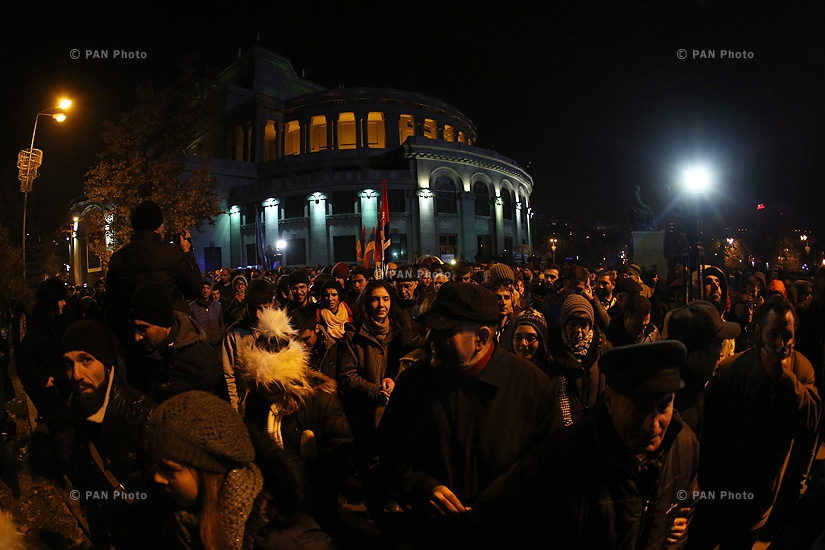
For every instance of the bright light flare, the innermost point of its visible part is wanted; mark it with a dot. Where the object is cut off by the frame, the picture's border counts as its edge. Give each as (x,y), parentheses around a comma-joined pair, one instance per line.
(65,103)
(280,243)
(696,180)
(60,117)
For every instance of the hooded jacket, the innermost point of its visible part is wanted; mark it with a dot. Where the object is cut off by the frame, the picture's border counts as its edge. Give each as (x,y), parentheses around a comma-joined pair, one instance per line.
(184,362)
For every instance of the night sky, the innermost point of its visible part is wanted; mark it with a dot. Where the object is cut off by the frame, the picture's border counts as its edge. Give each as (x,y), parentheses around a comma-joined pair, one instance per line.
(590,100)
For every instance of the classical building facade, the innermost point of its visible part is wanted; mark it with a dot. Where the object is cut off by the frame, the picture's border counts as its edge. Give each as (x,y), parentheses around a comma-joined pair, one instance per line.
(301,170)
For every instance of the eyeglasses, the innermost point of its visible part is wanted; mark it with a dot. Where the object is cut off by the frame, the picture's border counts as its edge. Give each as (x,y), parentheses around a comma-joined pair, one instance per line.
(529,338)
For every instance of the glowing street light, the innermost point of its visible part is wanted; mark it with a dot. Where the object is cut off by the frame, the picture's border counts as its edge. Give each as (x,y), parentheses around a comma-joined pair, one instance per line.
(29,161)
(553,242)
(696,180)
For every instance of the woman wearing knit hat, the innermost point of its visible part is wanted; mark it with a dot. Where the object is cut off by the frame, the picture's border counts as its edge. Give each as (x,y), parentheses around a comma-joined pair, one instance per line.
(576,346)
(200,453)
(530,339)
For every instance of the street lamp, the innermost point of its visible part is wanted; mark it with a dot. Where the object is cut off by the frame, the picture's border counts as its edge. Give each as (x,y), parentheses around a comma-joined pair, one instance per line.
(553,248)
(29,161)
(696,182)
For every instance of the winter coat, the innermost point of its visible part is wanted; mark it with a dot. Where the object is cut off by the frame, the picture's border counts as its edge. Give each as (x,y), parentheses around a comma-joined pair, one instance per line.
(238,336)
(363,362)
(755,433)
(184,362)
(147,258)
(118,440)
(443,427)
(584,488)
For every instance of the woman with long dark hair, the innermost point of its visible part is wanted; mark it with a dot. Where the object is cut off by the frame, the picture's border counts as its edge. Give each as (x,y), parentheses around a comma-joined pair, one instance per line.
(368,362)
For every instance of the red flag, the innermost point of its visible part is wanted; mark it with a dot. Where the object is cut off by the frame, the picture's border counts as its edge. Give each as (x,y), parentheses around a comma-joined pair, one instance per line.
(370,248)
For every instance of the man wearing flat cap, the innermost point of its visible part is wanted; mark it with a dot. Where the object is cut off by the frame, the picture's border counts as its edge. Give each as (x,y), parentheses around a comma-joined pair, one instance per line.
(460,417)
(622,477)
(148,258)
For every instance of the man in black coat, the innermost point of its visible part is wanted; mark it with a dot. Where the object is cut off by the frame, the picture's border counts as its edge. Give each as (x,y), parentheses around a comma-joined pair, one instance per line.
(461,417)
(109,420)
(147,258)
(622,477)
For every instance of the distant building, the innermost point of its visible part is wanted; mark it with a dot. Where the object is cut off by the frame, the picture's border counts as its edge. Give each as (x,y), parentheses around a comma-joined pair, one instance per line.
(303,165)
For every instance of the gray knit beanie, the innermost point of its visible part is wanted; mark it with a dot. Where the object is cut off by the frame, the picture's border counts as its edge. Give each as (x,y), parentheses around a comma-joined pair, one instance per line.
(576,305)
(499,272)
(199,430)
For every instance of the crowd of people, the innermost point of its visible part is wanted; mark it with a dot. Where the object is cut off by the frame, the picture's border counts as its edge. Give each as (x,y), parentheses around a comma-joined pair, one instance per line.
(483,405)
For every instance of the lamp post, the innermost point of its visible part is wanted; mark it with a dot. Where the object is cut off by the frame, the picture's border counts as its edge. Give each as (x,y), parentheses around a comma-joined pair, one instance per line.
(696,182)
(553,248)
(29,161)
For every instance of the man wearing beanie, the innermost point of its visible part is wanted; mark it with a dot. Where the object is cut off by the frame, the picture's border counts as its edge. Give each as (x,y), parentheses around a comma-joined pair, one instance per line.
(622,477)
(172,355)
(109,419)
(149,258)
(209,315)
(459,418)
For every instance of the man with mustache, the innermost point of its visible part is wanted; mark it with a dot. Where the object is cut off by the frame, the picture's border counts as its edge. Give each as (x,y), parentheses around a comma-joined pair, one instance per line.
(460,417)
(109,420)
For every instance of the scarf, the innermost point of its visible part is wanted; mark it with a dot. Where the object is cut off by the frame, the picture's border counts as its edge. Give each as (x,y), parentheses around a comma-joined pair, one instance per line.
(580,349)
(379,329)
(334,322)
(236,497)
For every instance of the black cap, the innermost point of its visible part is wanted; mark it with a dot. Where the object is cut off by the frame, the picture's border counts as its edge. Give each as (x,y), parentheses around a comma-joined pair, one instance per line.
(697,323)
(147,215)
(458,303)
(644,368)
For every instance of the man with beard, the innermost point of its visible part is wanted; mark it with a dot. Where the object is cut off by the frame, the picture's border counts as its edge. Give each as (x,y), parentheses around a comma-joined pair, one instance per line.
(172,355)
(715,291)
(460,418)
(109,419)
(299,284)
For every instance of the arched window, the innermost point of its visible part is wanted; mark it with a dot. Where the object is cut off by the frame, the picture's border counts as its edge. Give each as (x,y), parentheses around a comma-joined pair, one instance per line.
(482,193)
(406,127)
(318,133)
(445,199)
(292,139)
(346,131)
(376,130)
(507,202)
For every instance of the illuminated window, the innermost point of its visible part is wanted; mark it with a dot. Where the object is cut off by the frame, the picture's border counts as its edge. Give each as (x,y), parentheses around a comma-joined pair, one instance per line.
(318,133)
(346,131)
(447,245)
(376,131)
(449,133)
(292,141)
(270,142)
(482,193)
(445,198)
(430,129)
(406,127)
(461,137)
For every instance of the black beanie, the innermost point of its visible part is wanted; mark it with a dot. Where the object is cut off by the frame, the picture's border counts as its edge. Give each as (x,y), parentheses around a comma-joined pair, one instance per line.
(199,430)
(147,215)
(94,338)
(152,304)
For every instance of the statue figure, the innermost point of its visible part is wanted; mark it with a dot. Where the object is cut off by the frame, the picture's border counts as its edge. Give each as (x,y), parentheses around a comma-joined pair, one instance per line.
(642,218)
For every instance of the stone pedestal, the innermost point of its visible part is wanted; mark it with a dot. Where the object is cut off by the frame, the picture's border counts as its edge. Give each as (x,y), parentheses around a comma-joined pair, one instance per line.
(649,250)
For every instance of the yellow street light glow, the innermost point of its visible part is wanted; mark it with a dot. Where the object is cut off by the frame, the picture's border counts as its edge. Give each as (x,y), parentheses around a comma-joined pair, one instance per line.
(60,117)
(65,103)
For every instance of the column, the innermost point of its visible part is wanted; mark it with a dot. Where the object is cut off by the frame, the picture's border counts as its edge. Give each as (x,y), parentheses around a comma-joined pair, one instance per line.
(468,247)
(426,213)
(235,241)
(318,239)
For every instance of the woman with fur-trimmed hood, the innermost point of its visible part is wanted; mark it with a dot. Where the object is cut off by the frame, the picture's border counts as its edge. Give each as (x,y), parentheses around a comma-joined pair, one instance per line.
(295,406)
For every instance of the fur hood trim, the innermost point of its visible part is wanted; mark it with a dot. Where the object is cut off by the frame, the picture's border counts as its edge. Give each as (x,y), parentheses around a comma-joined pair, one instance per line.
(276,361)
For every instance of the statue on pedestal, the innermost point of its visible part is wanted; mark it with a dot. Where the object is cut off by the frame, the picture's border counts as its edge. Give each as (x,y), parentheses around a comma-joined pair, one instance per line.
(642,218)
